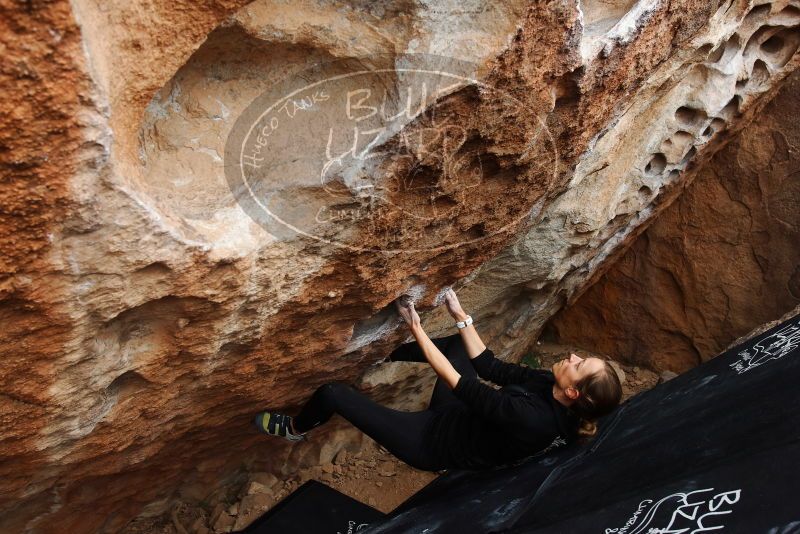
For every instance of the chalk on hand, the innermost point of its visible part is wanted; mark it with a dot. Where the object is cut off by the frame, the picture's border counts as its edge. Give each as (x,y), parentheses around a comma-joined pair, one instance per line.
(440,296)
(404,300)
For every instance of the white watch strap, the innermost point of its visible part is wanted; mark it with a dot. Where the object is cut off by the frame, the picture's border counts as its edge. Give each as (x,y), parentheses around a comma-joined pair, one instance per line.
(464,323)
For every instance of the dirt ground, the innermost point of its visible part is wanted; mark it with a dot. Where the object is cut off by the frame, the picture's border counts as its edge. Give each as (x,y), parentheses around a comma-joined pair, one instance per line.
(372,475)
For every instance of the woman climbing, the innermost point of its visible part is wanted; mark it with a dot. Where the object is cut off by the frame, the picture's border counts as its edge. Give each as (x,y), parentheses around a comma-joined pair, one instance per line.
(468,424)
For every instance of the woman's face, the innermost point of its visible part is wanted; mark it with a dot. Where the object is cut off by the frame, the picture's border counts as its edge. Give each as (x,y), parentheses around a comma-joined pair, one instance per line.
(572,369)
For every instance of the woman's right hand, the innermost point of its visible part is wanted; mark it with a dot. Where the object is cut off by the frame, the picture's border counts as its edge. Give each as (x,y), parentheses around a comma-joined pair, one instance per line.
(454,306)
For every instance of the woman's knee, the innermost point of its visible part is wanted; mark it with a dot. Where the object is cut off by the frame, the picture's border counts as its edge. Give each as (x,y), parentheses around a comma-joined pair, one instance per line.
(332,391)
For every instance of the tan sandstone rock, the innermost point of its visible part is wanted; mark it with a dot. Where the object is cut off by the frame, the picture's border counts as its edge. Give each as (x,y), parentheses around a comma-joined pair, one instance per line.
(721,260)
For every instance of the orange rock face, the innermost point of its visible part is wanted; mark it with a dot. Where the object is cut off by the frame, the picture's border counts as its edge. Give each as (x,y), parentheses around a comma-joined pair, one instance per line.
(148,311)
(721,260)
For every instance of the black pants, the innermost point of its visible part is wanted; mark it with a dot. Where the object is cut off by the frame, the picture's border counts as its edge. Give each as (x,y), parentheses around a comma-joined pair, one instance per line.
(401,433)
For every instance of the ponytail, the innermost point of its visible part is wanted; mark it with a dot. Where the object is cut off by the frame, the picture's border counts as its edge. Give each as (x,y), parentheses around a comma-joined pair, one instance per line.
(587,429)
(600,393)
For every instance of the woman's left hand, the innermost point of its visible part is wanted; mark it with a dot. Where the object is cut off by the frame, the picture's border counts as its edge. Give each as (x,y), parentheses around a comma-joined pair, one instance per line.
(406,308)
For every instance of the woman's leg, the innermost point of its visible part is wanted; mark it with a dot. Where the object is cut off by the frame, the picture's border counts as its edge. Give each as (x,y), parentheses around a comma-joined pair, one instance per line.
(453,348)
(411,352)
(457,355)
(401,433)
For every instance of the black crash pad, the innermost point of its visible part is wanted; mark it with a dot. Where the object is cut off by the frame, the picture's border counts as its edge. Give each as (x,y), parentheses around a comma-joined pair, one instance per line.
(716,449)
(315,508)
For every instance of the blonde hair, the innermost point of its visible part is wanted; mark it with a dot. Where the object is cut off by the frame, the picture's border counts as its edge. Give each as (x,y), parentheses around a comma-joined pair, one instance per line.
(600,393)
(587,429)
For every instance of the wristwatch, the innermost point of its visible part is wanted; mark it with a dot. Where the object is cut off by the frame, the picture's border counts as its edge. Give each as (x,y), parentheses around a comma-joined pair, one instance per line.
(464,323)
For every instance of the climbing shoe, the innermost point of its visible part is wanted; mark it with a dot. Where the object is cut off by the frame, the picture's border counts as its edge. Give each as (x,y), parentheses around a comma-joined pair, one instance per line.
(276,424)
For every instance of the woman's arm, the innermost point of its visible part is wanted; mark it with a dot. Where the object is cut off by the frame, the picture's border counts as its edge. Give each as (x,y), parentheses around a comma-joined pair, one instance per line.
(487,366)
(472,341)
(438,361)
(512,410)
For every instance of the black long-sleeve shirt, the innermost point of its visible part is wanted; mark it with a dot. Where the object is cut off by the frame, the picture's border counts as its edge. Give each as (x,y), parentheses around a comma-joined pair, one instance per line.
(497,427)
